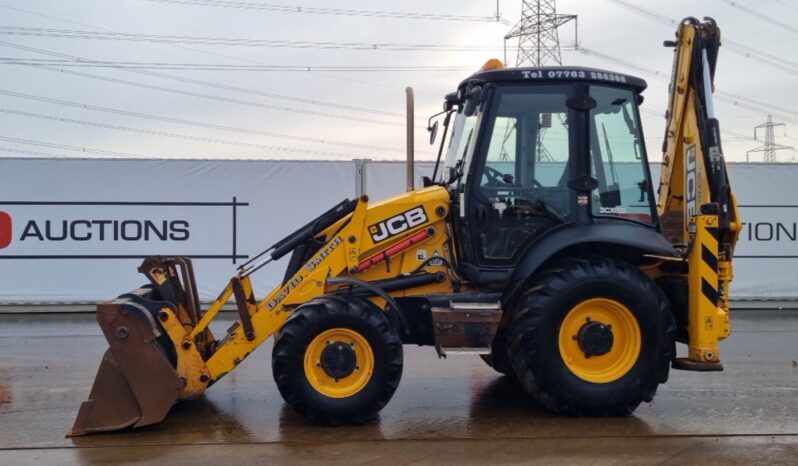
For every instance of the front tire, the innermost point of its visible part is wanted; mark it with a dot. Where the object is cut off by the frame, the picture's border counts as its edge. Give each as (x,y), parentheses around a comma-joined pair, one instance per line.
(592,337)
(337,360)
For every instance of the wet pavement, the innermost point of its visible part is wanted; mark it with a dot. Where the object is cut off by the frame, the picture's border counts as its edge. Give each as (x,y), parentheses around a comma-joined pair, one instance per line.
(454,411)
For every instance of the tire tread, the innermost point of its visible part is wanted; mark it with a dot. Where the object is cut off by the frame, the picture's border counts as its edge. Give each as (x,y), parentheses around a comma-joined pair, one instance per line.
(529,317)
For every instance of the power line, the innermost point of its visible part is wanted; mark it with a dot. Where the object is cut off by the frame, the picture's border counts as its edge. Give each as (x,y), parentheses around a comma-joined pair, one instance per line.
(607,57)
(733,46)
(759,15)
(36,153)
(315,73)
(238,58)
(787,4)
(217,97)
(737,99)
(81,149)
(182,47)
(661,114)
(82,60)
(272,95)
(215,67)
(85,150)
(207,96)
(373,83)
(226,87)
(328,11)
(640,10)
(734,99)
(42,15)
(773,61)
(187,137)
(193,123)
(737,135)
(237,42)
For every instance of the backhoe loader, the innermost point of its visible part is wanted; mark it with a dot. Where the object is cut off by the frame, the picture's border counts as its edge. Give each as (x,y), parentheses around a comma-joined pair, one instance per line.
(538,244)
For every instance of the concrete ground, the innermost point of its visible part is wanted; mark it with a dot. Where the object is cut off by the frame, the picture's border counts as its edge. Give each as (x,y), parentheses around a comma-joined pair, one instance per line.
(455,411)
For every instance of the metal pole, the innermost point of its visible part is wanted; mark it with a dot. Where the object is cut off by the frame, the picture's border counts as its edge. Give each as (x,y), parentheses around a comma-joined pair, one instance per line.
(410,137)
(360,177)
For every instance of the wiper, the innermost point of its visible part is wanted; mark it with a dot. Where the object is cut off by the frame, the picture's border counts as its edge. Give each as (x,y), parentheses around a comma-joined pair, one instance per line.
(633,131)
(610,159)
(458,168)
(457,173)
(443,142)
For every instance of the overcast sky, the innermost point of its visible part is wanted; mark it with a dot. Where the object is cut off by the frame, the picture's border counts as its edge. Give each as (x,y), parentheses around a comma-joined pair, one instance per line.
(357,114)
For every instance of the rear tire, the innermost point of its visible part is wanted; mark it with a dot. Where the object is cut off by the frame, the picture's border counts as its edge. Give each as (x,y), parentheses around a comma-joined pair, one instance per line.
(604,375)
(499,358)
(337,360)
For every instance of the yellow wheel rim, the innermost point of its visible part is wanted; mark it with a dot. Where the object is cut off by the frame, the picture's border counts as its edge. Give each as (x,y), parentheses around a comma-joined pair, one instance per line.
(347,385)
(626,340)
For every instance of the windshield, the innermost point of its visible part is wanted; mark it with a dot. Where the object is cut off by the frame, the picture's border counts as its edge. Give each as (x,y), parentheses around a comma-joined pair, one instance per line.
(618,161)
(462,135)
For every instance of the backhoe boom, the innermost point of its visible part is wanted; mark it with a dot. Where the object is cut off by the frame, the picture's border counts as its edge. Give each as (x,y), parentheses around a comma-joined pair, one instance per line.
(695,201)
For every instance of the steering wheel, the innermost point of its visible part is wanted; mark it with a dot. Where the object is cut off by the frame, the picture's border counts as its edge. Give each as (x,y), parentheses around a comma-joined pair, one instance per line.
(497,178)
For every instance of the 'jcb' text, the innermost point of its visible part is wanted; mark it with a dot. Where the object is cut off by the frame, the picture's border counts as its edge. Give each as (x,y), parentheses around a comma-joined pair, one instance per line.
(397,224)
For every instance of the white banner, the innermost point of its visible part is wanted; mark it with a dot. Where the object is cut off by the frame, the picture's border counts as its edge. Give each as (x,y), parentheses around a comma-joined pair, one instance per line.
(79,228)
(74,230)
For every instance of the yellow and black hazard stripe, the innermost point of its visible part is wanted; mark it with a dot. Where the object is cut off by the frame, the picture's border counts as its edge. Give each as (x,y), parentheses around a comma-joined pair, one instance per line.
(710,260)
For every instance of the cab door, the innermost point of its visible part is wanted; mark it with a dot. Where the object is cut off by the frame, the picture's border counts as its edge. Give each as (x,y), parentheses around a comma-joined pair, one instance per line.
(517,188)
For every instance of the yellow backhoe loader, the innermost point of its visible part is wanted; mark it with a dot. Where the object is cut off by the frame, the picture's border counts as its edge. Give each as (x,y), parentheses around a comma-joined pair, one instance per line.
(538,244)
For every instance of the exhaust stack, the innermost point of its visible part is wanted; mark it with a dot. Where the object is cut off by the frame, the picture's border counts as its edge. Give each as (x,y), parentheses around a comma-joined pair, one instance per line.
(410,138)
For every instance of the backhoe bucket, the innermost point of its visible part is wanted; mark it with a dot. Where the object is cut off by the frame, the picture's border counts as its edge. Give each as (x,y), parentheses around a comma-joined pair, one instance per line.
(136,384)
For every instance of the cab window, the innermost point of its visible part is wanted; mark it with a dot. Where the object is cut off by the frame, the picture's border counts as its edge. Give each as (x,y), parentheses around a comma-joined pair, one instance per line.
(617,158)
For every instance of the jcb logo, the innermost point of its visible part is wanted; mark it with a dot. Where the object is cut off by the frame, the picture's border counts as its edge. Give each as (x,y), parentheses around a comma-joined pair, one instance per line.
(691,183)
(5,229)
(397,224)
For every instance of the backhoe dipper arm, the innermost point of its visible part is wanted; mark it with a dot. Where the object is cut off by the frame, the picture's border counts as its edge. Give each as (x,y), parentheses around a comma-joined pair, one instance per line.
(696,205)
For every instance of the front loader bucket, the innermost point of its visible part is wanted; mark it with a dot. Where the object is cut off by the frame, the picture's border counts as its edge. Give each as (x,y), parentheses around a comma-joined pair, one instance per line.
(136,384)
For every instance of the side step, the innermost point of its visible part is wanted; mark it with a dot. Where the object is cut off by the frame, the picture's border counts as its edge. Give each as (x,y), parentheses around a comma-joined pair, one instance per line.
(465,328)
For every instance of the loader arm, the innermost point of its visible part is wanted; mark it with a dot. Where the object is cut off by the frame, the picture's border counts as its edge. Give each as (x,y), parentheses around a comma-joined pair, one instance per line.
(696,204)
(350,253)
(261,319)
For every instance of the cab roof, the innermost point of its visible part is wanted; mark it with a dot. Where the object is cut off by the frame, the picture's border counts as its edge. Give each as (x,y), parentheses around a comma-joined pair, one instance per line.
(554,74)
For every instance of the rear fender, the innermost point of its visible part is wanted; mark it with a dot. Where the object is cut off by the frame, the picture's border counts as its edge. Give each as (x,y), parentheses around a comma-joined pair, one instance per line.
(635,240)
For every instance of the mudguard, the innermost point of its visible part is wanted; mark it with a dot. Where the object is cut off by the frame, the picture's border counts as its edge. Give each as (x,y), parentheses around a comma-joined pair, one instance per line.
(644,239)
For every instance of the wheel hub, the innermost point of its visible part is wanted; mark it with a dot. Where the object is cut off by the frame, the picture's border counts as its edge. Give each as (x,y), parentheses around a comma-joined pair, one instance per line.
(600,340)
(338,360)
(595,338)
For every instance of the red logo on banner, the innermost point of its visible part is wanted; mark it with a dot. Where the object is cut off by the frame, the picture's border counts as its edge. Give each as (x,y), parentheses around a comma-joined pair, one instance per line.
(5,229)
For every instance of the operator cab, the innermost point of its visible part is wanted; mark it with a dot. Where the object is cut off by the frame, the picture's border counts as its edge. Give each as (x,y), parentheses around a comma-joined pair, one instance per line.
(537,150)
